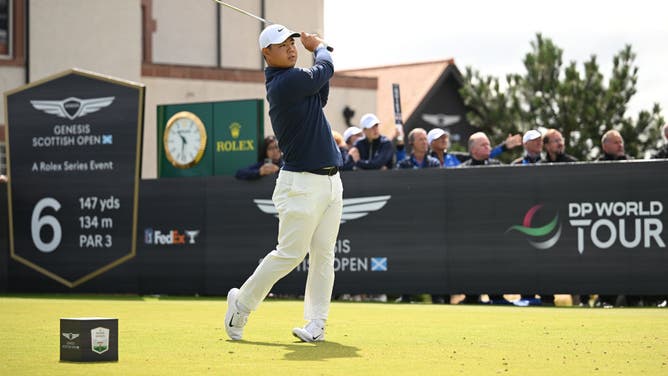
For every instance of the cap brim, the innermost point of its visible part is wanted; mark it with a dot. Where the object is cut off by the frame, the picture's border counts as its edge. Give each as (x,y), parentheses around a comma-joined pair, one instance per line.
(289,34)
(293,35)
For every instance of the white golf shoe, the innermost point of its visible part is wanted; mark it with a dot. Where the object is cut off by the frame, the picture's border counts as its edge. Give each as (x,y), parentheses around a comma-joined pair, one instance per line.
(314,331)
(235,319)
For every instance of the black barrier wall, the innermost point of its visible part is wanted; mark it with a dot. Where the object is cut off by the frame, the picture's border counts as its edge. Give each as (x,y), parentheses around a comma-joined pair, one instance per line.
(582,228)
(4,238)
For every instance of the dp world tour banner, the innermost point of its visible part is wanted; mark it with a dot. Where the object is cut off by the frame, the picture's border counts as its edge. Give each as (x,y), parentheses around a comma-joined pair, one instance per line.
(570,228)
(74,144)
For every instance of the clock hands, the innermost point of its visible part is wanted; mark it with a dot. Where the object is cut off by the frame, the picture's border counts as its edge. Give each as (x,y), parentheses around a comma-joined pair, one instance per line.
(187,129)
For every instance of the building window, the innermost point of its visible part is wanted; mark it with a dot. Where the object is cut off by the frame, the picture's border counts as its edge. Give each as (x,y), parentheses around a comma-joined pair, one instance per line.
(148,28)
(6,29)
(12,31)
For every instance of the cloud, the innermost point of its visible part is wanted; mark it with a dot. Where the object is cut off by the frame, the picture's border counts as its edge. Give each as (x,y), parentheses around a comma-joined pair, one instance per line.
(494,36)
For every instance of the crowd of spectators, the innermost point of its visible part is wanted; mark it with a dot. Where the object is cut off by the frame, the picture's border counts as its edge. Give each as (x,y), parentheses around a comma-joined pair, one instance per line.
(365,148)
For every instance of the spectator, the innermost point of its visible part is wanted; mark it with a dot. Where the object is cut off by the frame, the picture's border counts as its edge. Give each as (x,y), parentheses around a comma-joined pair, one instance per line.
(3,178)
(338,138)
(419,144)
(350,136)
(663,152)
(343,148)
(511,142)
(533,146)
(479,155)
(612,144)
(553,142)
(439,142)
(269,164)
(417,140)
(374,151)
(399,145)
(479,151)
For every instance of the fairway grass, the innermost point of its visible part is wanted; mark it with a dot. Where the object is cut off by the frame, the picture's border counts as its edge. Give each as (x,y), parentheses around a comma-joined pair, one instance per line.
(185,336)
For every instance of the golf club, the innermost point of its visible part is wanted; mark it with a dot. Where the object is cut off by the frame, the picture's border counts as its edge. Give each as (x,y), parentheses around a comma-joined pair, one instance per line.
(267,22)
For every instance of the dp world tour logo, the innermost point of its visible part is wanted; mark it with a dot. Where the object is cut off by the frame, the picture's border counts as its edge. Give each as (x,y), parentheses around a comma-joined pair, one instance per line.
(536,233)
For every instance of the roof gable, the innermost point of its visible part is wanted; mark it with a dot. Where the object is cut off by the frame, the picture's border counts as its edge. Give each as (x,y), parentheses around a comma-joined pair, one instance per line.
(416,80)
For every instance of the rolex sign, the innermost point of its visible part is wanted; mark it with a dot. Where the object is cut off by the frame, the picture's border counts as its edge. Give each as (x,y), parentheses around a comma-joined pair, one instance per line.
(211,138)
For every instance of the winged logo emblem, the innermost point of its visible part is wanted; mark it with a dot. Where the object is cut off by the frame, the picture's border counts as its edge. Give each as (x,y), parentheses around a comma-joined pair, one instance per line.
(441,120)
(353,208)
(71,336)
(72,107)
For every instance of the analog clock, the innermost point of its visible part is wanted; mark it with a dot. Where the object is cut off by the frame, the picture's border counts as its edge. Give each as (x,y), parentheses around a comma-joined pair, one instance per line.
(184,139)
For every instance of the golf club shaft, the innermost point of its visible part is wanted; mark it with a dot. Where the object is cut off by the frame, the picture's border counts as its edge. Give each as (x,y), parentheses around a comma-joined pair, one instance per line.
(265,21)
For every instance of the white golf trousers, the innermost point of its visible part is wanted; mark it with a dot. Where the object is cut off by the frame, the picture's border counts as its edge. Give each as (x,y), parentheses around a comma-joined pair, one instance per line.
(309,213)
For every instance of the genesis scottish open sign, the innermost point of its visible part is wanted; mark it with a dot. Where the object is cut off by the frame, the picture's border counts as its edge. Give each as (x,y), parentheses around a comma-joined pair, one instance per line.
(74,146)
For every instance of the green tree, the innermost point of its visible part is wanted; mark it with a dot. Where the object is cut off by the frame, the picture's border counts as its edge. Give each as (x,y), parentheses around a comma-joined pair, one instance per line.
(581,104)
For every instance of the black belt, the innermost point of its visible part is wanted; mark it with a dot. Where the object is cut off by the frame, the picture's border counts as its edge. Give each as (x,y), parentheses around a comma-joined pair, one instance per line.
(329,171)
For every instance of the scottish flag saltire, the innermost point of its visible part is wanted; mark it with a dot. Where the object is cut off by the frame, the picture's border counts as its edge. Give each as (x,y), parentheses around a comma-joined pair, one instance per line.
(379,264)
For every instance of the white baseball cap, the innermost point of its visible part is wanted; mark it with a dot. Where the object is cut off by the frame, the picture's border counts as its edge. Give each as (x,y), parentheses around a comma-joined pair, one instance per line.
(350,132)
(369,120)
(435,134)
(531,135)
(274,34)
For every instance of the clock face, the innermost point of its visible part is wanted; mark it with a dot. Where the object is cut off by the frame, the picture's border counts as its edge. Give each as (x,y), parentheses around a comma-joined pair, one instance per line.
(184,140)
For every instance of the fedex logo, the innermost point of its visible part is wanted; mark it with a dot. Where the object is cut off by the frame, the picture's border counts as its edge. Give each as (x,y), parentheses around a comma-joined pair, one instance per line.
(170,237)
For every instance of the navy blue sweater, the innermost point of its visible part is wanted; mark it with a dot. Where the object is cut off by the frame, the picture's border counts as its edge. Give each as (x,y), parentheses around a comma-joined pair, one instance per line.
(373,155)
(296,97)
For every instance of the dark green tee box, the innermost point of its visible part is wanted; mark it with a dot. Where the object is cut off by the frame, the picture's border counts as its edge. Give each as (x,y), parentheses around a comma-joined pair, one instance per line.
(88,339)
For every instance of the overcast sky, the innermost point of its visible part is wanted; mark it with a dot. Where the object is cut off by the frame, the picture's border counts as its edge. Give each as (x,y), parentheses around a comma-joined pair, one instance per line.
(493,36)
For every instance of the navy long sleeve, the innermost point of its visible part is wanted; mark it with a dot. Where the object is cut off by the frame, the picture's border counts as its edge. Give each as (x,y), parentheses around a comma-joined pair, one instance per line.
(374,155)
(296,97)
(251,172)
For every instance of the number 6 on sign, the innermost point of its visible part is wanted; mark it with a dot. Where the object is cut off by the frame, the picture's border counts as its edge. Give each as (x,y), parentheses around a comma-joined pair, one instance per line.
(37,222)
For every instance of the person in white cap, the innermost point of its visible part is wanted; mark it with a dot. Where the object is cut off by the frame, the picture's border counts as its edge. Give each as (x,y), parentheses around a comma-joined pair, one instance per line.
(374,151)
(439,142)
(417,140)
(533,146)
(308,193)
(351,135)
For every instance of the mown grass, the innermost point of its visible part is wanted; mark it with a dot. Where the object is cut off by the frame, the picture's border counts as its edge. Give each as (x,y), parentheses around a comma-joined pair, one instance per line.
(186,337)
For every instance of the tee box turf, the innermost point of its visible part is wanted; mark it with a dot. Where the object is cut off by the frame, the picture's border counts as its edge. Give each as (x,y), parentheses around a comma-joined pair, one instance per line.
(89,339)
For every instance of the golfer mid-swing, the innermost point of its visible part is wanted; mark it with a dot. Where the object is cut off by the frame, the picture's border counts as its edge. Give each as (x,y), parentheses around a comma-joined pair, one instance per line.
(308,192)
